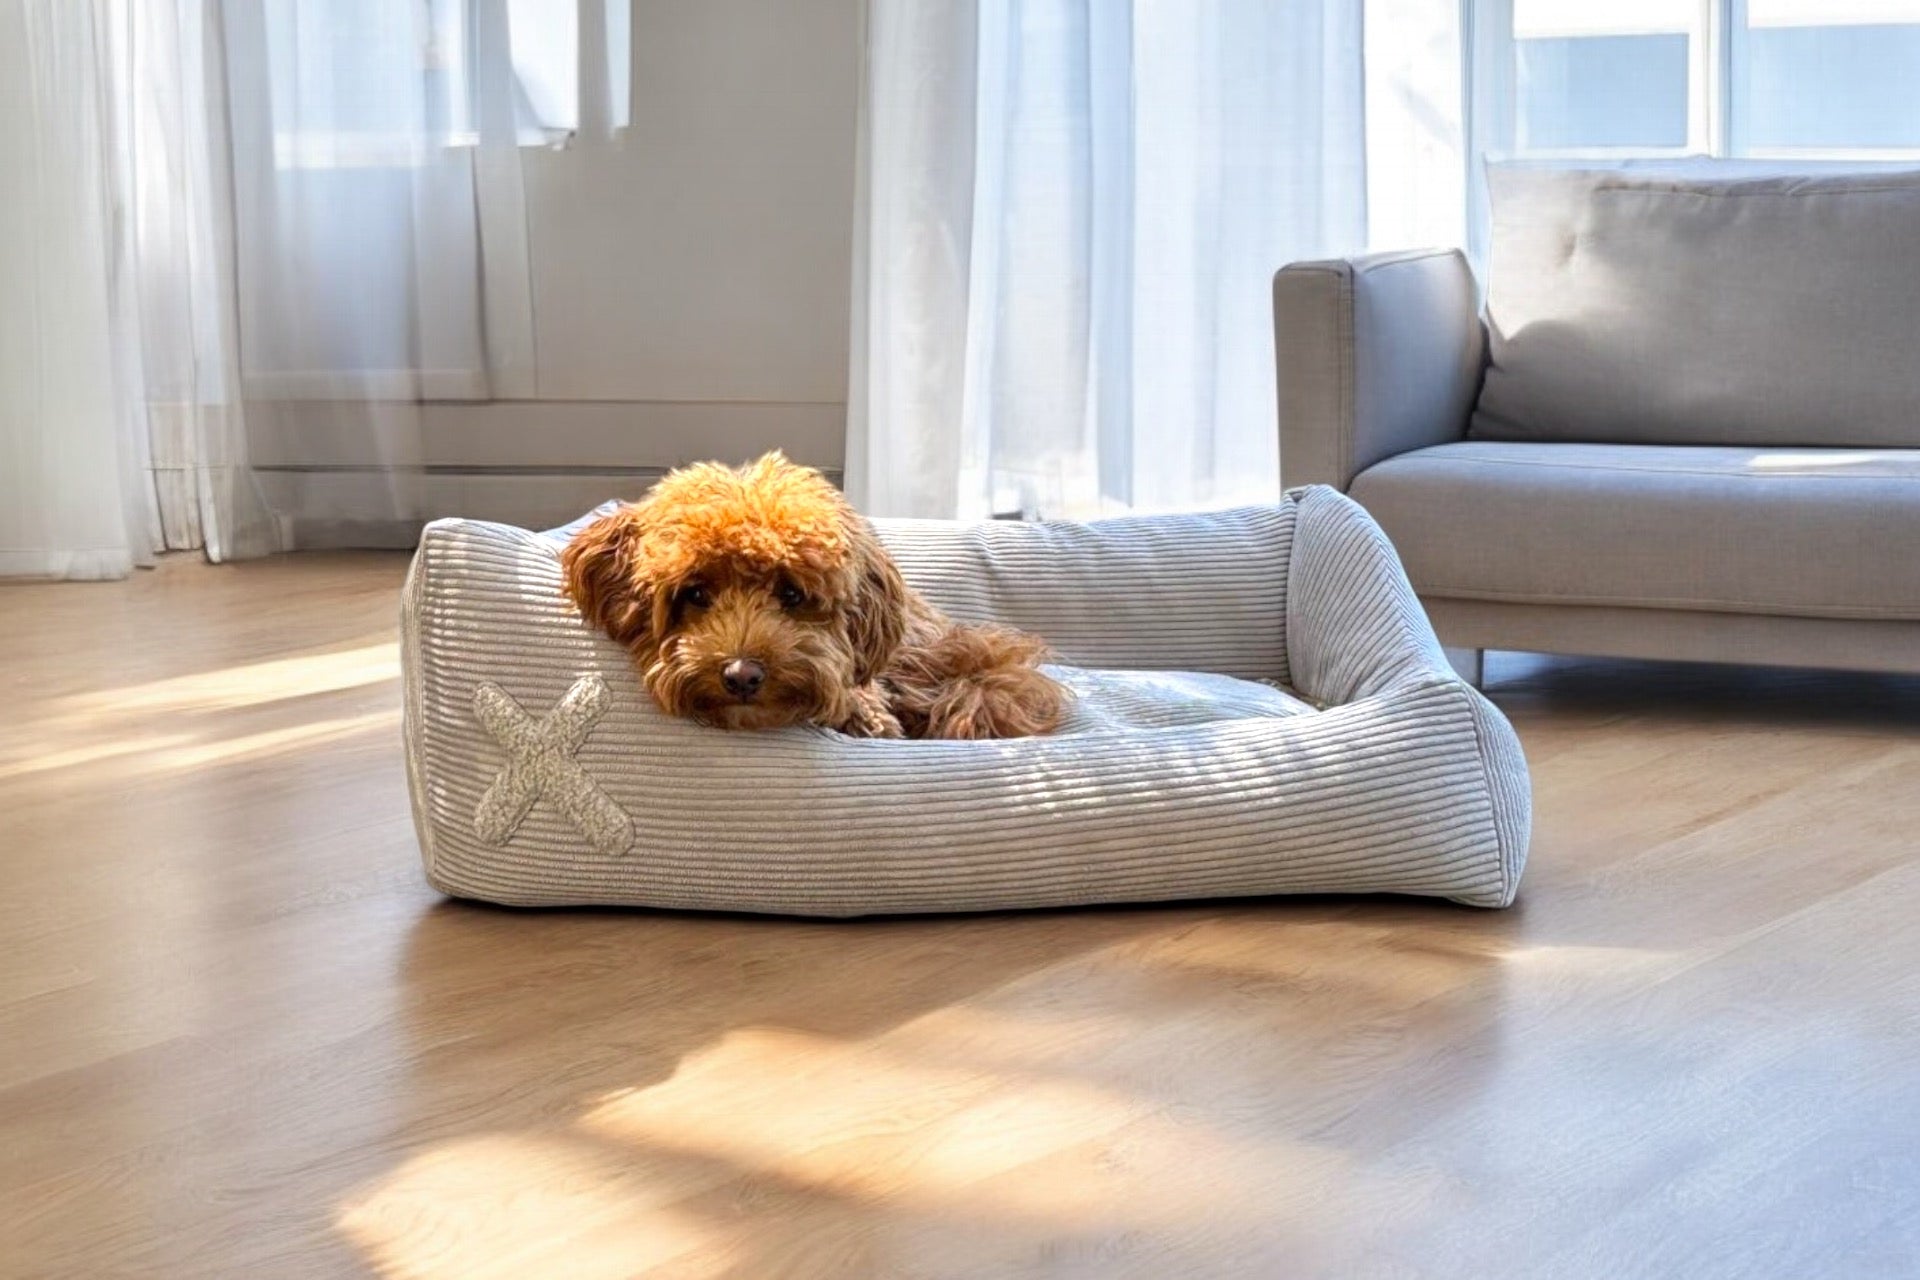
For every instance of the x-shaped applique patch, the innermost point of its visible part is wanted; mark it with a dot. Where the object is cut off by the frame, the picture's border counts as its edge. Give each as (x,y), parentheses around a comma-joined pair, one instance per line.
(540,763)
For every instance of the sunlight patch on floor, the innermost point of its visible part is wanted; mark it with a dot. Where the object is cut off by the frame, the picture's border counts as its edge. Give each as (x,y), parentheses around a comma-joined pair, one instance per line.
(865,1120)
(515,1205)
(889,1143)
(254,746)
(23,764)
(211,717)
(1590,960)
(244,686)
(176,753)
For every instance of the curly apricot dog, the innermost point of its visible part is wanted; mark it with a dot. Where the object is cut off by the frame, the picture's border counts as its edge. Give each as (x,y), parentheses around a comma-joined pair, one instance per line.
(757,597)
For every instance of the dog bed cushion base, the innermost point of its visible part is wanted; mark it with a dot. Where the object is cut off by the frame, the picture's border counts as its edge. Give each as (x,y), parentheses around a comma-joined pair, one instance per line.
(1408,783)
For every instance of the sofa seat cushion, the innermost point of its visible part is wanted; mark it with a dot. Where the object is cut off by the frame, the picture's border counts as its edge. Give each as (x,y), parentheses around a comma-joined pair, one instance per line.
(1816,533)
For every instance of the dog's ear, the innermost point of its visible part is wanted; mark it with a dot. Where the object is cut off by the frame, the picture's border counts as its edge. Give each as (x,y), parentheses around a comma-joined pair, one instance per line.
(607,579)
(877,616)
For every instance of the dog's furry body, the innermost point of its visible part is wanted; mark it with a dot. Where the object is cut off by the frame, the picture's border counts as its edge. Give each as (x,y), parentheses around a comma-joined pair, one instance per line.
(757,597)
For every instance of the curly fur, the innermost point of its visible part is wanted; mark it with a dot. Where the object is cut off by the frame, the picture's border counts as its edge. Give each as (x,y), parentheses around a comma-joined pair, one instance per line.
(768,562)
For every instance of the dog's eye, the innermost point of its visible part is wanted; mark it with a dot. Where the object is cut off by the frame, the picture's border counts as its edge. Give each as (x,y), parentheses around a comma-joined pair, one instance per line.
(695,596)
(791,597)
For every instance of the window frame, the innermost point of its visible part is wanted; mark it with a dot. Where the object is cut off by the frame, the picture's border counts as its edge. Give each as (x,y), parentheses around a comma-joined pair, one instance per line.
(1491,105)
(1712,123)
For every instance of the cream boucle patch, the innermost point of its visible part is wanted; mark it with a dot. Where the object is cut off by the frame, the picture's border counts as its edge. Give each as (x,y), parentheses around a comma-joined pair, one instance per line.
(540,764)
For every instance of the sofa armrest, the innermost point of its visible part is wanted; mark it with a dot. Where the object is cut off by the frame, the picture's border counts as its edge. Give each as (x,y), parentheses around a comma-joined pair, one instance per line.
(1374,356)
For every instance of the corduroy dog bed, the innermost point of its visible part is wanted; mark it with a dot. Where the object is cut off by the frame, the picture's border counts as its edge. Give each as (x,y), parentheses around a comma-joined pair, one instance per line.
(542,774)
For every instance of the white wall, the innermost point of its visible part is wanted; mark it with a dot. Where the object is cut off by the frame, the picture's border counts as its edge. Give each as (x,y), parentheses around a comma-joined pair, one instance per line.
(691,286)
(707,257)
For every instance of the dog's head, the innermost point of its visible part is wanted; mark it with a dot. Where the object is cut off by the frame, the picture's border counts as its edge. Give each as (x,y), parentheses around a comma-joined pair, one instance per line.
(749,598)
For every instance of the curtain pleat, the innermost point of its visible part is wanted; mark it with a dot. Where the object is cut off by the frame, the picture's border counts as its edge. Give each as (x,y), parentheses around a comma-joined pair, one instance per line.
(246,239)
(1070,212)
(75,499)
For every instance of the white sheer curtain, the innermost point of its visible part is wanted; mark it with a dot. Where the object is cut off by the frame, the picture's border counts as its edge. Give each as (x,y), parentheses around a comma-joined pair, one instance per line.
(381,217)
(120,409)
(1069,217)
(368,138)
(222,223)
(76,500)
(174,273)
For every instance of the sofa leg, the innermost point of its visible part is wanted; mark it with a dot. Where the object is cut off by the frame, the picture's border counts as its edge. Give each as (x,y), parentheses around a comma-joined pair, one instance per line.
(1471,664)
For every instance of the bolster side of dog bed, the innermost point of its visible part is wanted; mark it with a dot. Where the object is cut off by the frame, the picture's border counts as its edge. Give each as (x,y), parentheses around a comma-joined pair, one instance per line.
(1392,792)
(1193,592)
(1355,626)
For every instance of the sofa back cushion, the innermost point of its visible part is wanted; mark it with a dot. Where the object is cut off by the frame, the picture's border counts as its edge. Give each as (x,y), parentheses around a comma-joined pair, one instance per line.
(1670,308)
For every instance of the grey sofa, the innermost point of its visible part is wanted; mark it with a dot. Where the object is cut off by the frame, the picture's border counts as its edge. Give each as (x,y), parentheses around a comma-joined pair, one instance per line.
(1686,426)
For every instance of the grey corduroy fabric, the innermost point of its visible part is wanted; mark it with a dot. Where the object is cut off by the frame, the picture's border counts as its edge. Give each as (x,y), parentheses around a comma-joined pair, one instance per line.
(1177,777)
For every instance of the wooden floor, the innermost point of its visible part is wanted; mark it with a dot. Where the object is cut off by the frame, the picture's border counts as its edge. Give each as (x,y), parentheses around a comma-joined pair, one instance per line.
(240,1037)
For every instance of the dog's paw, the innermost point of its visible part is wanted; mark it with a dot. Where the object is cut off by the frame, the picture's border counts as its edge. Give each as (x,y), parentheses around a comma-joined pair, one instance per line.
(872,715)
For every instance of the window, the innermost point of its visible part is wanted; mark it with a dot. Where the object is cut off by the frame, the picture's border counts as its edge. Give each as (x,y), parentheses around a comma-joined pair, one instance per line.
(1605,77)
(1826,77)
(366,83)
(1571,79)
(387,83)
(1764,80)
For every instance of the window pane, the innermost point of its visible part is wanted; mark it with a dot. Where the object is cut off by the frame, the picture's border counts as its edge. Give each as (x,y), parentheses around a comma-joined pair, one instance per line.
(1603,91)
(1615,76)
(1541,19)
(1829,75)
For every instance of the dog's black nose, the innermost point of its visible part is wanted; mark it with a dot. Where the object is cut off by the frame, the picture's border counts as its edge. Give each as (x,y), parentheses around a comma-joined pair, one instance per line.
(743,677)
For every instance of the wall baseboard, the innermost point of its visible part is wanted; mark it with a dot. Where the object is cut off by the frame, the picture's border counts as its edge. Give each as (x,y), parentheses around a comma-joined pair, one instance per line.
(370,475)
(330,508)
(312,533)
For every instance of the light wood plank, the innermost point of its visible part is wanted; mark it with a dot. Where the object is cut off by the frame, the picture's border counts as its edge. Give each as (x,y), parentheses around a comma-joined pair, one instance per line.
(240,1037)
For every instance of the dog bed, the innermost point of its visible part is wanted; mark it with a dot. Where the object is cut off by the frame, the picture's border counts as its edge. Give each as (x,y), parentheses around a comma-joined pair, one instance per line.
(1261,708)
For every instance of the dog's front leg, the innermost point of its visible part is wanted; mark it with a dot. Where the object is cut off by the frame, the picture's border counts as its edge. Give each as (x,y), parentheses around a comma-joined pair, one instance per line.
(871,716)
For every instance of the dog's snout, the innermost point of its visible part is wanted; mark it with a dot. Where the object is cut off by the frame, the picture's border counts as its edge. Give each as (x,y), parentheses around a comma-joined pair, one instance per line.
(743,677)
